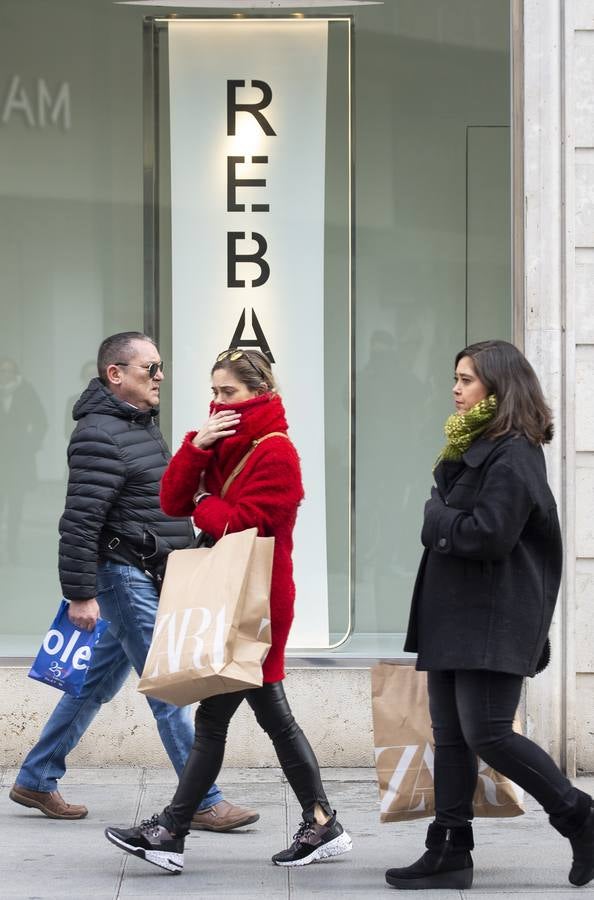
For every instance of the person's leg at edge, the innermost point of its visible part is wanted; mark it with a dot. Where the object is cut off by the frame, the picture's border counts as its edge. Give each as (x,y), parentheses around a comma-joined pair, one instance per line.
(129,597)
(320,836)
(204,761)
(447,862)
(160,839)
(294,752)
(456,766)
(45,764)
(274,716)
(487,702)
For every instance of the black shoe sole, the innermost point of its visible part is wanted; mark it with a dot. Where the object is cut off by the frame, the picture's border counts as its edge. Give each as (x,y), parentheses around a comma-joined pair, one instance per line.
(342,843)
(456,880)
(160,858)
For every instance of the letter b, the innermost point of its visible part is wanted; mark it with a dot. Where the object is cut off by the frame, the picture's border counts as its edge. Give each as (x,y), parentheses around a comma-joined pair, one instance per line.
(233,257)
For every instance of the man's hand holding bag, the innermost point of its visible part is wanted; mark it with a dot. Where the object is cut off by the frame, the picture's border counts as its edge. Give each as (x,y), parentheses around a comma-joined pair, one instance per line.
(212,631)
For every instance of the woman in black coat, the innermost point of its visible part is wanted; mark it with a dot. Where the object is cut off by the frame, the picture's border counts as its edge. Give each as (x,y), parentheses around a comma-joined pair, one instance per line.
(482,607)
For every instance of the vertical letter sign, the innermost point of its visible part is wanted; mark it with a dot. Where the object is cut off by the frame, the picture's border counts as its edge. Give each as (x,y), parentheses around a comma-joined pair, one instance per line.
(248,128)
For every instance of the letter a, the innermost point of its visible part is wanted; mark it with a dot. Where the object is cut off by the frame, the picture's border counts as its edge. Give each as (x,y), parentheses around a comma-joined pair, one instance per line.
(261,343)
(17,101)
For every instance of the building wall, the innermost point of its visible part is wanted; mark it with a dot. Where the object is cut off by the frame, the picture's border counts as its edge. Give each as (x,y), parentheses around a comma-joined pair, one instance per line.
(124,733)
(558,142)
(582,38)
(558,175)
(431,93)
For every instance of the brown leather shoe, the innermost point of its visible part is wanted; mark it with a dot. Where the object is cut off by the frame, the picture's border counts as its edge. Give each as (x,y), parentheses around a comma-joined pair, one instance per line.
(223,816)
(50,803)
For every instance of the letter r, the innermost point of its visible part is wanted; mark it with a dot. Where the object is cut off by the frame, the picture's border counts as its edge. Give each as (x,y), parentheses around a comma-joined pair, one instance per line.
(233,107)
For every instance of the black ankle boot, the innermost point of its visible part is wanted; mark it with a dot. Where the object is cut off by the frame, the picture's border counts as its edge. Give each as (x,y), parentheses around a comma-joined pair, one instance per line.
(446,864)
(582,844)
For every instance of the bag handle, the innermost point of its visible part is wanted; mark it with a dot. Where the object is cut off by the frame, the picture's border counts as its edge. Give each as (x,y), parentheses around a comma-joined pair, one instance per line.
(240,465)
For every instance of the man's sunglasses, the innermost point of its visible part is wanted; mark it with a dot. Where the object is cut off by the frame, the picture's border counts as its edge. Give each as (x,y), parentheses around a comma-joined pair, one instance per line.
(234,354)
(151,369)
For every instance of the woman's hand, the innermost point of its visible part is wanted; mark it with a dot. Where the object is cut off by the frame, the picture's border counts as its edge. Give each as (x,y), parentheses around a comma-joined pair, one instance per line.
(221,424)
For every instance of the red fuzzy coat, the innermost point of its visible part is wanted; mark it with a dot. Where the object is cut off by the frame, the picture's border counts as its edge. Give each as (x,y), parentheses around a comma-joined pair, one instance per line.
(265,494)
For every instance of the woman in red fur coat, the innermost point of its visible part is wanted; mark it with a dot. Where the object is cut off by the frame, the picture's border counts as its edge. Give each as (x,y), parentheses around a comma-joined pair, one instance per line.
(246,414)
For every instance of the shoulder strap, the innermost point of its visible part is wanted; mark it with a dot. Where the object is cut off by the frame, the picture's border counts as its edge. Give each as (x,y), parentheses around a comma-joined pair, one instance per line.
(240,465)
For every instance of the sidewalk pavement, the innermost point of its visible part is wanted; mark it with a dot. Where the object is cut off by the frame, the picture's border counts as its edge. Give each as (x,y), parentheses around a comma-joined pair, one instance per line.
(55,860)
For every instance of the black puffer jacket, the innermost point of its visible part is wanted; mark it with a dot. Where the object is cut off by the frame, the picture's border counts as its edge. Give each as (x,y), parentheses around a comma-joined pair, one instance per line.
(116,457)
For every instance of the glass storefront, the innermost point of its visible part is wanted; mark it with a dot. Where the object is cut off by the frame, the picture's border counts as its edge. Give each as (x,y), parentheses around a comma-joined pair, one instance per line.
(432,272)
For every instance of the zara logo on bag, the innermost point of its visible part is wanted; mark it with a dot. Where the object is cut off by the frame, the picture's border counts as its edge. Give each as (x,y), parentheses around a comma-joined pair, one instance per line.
(174,630)
(412,766)
(412,760)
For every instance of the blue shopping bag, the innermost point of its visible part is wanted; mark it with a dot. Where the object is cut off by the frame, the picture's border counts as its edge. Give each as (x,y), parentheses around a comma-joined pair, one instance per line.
(64,656)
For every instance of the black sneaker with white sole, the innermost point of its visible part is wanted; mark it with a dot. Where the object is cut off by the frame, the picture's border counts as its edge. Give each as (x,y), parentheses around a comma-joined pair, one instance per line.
(152,842)
(314,842)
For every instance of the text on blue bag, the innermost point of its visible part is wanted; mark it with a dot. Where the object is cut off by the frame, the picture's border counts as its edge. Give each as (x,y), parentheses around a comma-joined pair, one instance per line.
(65,653)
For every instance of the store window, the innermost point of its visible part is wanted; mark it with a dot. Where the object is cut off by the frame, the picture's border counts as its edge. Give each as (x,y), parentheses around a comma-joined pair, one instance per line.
(431,149)
(70,264)
(433,267)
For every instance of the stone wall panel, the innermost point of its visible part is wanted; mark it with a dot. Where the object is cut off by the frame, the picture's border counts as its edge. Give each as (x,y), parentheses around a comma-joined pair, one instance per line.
(584,198)
(584,605)
(332,706)
(585,724)
(584,88)
(584,295)
(584,407)
(584,505)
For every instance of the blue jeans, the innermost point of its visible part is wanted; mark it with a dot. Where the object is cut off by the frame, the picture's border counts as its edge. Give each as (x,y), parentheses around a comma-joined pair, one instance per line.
(129,601)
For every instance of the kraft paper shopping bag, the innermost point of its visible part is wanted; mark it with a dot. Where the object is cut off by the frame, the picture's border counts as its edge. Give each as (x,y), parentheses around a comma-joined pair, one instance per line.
(403,745)
(212,631)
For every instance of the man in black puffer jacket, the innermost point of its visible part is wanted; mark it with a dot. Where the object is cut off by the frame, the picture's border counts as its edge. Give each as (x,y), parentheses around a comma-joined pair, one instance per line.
(114,541)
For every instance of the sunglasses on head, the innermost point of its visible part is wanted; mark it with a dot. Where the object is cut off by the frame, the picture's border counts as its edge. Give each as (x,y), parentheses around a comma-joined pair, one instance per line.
(234,354)
(151,368)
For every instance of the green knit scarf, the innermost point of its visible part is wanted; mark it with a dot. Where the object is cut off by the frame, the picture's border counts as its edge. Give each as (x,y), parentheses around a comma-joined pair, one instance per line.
(462,430)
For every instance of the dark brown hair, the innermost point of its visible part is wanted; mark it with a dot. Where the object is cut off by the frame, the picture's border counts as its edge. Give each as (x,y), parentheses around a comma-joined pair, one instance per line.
(251,368)
(521,406)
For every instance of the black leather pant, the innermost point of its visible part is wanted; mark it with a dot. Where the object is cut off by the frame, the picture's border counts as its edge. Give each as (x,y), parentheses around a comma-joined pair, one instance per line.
(472,713)
(274,715)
